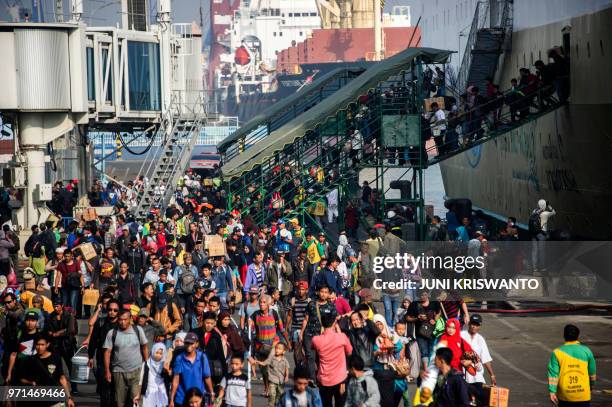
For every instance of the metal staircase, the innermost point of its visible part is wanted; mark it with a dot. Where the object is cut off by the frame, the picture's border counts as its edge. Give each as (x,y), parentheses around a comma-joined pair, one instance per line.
(490,36)
(179,130)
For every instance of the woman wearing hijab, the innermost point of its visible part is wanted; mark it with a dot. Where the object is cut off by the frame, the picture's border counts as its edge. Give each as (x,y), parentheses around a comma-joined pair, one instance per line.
(152,379)
(230,334)
(387,348)
(451,338)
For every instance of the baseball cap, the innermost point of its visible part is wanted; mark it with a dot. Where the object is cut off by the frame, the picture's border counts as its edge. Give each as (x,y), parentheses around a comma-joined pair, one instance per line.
(253,290)
(58,301)
(143,312)
(191,338)
(476,319)
(31,315)
(302,284)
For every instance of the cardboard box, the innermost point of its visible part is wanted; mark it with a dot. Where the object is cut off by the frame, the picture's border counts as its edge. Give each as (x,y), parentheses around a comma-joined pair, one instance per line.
(89,214)
(215,245)
(496,396)
(88,250)
(438,100)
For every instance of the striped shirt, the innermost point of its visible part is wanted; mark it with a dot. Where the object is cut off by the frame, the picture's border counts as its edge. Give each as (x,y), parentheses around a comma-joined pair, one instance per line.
(298,312)
(266,326)
(259,275)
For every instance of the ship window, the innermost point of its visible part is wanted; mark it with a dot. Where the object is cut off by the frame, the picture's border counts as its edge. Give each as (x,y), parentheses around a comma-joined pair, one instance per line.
(290,14)
(588,49)
(301,33)
(280,33)
(274,34)
(313,14)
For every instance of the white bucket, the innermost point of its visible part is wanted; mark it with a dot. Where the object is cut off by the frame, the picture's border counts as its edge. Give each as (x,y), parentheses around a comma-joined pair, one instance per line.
(80,369)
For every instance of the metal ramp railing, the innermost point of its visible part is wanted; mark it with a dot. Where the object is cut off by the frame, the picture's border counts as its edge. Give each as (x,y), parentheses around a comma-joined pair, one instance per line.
(283,111)
(180,129)
(292,181)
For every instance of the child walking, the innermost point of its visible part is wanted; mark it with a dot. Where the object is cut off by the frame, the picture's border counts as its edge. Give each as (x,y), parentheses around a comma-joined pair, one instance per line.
(152,379)
(278,373)
(235,386)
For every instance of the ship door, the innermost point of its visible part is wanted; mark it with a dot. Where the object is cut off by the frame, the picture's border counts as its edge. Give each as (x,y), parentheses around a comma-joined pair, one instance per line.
(566,40)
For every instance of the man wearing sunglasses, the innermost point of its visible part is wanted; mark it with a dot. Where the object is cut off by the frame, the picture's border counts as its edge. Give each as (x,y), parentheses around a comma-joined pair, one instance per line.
(13,313)
(96,348)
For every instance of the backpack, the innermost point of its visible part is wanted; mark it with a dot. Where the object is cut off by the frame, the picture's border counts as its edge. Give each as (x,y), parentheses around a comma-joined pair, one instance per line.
(114,338)
(187,281)
(74,324)
(535,225)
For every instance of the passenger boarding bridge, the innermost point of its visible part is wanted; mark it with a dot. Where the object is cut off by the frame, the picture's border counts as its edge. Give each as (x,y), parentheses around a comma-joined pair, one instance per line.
(68,79)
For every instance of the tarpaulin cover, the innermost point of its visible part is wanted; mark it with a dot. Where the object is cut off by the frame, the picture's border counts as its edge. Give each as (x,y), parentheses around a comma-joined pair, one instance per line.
(340,100)
(286,103)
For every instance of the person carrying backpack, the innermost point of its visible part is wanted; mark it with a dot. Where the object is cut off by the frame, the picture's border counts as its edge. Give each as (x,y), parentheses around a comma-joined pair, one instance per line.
(186,276)
(122,364)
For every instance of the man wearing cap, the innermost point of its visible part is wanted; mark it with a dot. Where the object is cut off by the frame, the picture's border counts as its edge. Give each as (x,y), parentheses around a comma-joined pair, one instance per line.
(473,337)
(152,328)
(22,344)
(191,369)
(249,307)
(199,255)
(122,244)
(323,246)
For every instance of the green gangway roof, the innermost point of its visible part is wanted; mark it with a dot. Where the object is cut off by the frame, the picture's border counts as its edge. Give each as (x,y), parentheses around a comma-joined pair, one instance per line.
(340,100)
(281,105)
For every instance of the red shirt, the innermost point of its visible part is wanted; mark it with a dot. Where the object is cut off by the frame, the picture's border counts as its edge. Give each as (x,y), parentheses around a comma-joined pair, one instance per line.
(342,306)
(332,348)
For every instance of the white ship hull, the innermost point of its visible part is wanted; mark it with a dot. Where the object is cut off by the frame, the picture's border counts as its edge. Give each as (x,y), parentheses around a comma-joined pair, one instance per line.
(564,157)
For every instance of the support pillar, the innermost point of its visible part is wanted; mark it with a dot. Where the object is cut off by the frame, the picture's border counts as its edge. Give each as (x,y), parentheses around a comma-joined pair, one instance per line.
(31,137)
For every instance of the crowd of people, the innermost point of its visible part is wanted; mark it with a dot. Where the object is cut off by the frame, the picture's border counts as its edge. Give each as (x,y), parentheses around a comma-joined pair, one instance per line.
(170,323)
(172,318)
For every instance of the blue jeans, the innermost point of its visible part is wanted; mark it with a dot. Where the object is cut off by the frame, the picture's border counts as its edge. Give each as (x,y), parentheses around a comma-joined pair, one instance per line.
(70,297)
(391,304)
(425,347)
